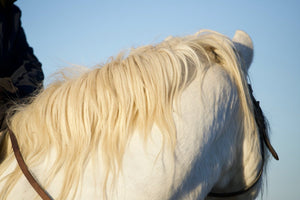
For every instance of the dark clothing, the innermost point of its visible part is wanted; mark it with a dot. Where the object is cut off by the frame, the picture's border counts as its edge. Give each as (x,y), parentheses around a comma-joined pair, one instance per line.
(17,60)
(20,71)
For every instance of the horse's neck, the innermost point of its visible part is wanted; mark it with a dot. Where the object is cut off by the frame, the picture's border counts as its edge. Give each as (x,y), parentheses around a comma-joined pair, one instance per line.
(241,151)
(206,153)
(224,154)
(208,135)
(207,130)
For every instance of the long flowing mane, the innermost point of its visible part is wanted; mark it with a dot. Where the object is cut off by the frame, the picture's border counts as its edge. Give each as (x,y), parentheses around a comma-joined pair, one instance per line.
(93,116)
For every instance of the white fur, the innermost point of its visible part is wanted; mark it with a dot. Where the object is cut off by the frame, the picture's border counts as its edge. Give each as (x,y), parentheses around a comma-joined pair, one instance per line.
(210,152)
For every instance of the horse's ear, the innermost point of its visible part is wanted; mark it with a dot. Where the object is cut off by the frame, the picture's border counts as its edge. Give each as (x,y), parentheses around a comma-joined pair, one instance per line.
(244,46)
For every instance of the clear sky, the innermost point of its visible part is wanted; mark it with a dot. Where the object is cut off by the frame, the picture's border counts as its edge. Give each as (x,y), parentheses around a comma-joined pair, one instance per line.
(88,32)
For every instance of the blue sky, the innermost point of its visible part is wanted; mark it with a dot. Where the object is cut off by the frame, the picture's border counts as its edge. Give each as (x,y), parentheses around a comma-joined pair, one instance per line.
(88,32)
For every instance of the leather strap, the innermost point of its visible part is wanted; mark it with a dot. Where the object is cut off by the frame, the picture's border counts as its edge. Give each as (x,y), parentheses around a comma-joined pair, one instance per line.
(38,188)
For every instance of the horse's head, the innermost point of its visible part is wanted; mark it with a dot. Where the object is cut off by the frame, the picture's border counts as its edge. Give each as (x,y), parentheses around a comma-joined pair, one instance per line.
(244,46)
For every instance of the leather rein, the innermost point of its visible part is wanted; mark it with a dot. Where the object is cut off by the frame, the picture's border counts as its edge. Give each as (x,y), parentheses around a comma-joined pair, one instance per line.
(260,121)
(36,186)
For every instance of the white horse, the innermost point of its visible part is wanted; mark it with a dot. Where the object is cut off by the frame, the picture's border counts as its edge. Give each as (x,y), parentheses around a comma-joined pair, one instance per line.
(170,121)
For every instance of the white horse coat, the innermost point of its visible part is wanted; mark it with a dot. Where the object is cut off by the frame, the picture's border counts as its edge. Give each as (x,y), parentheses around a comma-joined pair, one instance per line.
(211,150)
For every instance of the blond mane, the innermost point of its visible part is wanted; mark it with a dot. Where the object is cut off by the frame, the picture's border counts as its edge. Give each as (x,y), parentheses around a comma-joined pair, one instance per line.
(94,115)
